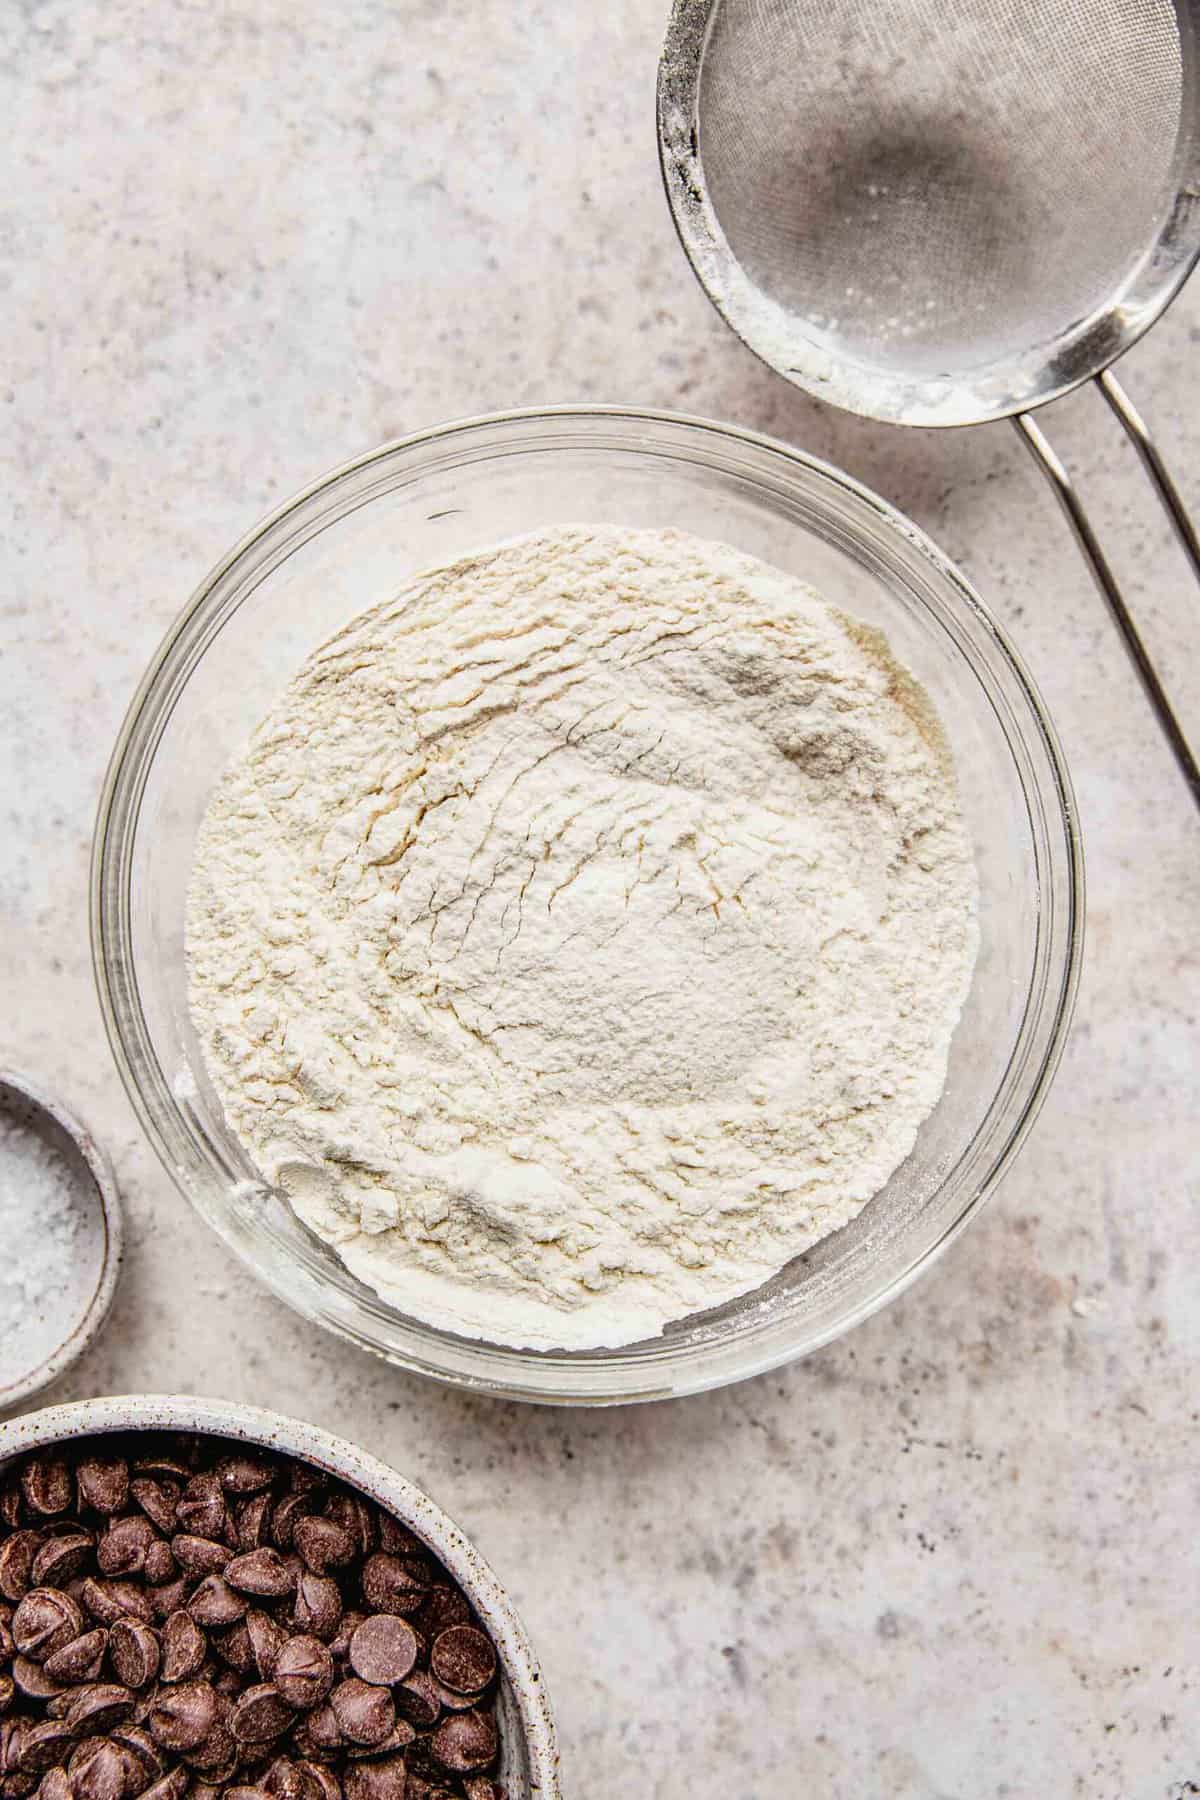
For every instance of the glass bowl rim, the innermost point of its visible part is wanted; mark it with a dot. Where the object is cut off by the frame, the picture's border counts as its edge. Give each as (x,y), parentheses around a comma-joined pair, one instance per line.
(1047,1013)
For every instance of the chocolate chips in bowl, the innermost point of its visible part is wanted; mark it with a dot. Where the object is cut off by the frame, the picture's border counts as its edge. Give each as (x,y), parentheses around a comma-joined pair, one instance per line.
(183,1614)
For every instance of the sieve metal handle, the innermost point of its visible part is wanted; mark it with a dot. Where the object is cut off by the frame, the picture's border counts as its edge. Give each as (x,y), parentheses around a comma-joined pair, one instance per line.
(1056,473)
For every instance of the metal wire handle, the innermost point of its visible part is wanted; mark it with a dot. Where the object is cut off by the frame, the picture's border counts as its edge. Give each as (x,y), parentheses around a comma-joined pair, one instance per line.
(1056,473)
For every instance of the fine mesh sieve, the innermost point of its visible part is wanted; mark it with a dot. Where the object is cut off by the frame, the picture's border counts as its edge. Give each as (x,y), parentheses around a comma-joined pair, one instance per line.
(940,212)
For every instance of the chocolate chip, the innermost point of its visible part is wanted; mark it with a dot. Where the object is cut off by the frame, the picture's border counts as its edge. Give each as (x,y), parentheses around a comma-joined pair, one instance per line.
(183,1715)
(45,1619)
(214,1603)
(317,1783)
(325,1786)
(418,1699)
(397,1538)
(47,1485)
(246,1473)
(339,1643)
(141,1746)
(365,1713)
(79,1755)
(12,1732)
(465,1742)
(17,1555)
(284,1781)
(261,1715)
(62,1556)
(480,1787)
(159,1500)
(262,1572)
(31,1680)
(56,1785)
(171,1786)
(216,1756)
(323,1544)
(135,1775)
(101,1773)
(303,1672)
(46,1745)
(201,1509)
(99,1706)
(286,1514)
(198,1555)
(420,1789)
(462,1658)
(244,1793)
(318,1605)
(383,1779)
(267,1638)
(108,1601)
(424,1770)
(134,1651)
(383,1649)
(442,1607)
(122,1549)
(450,1700)
(252,1520)
(356,1516)
(160,1564)
(79,1660)
(234,1648)
(163,1464)
(170,1598)
(318,1731)
(8,1688)
(183,1648)
(398,1738)
(392,1586)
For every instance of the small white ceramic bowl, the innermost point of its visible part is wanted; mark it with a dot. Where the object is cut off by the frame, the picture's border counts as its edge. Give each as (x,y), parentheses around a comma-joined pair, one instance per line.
(529,1758)
(102,1241)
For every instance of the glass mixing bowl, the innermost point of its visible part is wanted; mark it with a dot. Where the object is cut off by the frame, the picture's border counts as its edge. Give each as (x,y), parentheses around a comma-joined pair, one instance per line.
(352,540)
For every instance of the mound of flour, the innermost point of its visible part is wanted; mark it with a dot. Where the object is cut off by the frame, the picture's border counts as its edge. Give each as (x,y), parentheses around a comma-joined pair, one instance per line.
(582,934)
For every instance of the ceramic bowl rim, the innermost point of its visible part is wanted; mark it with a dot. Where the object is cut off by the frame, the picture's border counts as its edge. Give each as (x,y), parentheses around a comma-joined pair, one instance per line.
(87,1326)
(310,1443)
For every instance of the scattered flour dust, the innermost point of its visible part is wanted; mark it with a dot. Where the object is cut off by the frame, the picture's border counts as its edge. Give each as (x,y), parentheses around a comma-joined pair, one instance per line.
(582,934)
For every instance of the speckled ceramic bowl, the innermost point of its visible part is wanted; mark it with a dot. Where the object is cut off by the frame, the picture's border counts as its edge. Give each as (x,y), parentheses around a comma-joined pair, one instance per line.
(103,1242)
(529,1759)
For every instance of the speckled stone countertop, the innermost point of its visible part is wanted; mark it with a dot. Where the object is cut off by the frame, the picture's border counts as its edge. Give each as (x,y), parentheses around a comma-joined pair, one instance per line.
(951,1556)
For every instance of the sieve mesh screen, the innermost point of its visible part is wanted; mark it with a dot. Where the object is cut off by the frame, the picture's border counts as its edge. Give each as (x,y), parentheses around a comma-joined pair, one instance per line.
(939,185)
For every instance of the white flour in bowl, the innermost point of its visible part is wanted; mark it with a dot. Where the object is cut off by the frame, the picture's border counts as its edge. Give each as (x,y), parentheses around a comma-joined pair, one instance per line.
(582,934)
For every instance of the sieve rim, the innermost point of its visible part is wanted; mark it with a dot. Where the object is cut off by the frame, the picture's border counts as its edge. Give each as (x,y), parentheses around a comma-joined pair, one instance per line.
(1078,352)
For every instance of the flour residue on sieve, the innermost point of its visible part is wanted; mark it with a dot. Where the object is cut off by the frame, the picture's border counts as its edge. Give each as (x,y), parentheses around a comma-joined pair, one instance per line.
(582,934)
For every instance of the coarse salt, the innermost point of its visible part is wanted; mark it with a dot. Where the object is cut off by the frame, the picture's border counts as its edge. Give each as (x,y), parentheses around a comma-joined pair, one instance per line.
(52,1230)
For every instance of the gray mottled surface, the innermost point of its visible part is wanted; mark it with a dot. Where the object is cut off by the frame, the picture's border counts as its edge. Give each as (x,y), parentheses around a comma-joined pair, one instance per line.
(951,1556)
